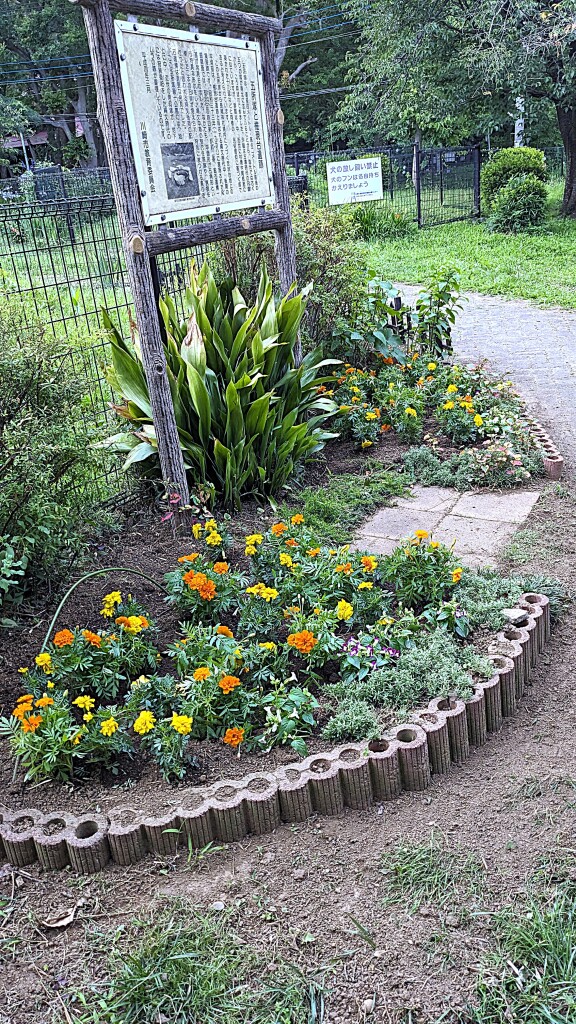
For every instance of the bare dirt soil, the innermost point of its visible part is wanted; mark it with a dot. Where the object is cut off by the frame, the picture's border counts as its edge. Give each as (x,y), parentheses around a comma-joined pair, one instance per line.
(315,893)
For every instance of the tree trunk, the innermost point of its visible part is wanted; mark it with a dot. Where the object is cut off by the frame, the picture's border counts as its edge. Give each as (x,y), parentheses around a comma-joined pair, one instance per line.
(567,124)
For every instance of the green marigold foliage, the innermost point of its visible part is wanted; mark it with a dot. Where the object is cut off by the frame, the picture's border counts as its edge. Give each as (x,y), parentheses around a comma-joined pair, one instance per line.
(246,414)
(520,204)
(507,164)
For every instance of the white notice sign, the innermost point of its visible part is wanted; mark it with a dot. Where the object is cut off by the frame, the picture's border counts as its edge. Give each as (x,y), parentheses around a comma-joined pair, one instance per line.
(196,115)
(354,181)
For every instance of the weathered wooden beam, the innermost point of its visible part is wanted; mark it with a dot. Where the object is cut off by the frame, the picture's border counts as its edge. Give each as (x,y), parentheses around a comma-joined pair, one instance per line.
(112,118)
(206,232)
(285,247)
(202,15)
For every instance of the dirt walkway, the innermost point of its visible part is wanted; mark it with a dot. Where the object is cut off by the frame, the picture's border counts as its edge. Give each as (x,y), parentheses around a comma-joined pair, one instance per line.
(535,347)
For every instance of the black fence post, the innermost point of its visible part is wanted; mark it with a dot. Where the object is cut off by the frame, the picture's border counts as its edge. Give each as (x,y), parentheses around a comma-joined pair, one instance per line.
(418,184)
(441,169)
(477,163)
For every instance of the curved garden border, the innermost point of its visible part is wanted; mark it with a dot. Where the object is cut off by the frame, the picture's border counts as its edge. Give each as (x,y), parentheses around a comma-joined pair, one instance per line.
(353,775)
(553,461)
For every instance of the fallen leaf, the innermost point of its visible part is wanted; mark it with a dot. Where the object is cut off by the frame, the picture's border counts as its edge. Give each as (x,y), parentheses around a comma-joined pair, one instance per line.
(63,919)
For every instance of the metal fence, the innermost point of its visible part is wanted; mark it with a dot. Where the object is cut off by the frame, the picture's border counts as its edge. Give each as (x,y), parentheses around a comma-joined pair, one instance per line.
(428,186)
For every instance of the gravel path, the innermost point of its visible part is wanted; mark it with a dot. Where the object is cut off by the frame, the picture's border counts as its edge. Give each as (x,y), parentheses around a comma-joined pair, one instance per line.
(535,347)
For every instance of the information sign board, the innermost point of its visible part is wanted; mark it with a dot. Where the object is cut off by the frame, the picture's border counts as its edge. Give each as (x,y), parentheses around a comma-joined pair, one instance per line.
(354,181)
(196,116)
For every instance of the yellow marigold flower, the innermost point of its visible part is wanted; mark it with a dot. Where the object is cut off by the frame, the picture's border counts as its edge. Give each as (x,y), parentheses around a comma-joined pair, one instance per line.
(109,727)
(407,551)
(421,534)
(181,723)
(132,624)
(50,686)
(23,671)
(224,631)
(367,444)
(214,539)
(220,568)
(278,529)
(344,611)
(44,661)
(144,723)
(210,525)
(254,538)
(189,558)
(197,531)
(431,367)
(452,389)
(366,585)
(286,560)
(304,641)
(229,683)
(448,405)
(77,738)
(410,411)
(233,737)
(434,543)
(371,416)
(63,638)
(261,590)
(369,563)
(457,574)
(85,702)
(297,520)
(478,421)
(88,716)
(44,702)
(268,645)
(201,673)
(250,549)
(109,601)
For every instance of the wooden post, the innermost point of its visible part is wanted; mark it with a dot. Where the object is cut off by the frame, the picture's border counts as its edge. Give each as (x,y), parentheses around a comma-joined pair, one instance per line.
(112,117)
(285,248)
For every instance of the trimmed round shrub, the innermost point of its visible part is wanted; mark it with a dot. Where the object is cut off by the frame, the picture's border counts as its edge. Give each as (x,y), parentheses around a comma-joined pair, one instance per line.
(520,204)
(507,164)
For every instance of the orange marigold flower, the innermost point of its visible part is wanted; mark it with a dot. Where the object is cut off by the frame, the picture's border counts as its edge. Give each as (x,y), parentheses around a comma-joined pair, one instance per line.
(224,631)
(293,609)
(200,582)
(64,638)
(25,698)
(221,568)
(297,520)
(346,568)
(189,558)
(207,590)
(229,683)
(313,552)
(369,563)
(233,737)
(31,723)
(20,710)
(92,638)
(278,529)
(44,702)
(291,543)
(304,641)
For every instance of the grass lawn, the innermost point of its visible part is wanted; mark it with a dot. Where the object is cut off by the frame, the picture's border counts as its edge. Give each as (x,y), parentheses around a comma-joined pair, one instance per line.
(536,265)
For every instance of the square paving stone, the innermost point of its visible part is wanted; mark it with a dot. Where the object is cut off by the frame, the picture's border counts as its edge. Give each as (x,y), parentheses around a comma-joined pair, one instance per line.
(430,499)
(375,545)
(399,522)
(475,536)
(513,507)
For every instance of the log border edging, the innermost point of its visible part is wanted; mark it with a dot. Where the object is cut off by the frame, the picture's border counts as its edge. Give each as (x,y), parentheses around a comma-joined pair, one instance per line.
(352,775)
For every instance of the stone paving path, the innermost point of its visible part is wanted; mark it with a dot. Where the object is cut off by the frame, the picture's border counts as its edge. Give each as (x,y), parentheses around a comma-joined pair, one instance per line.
(534,347)
(479,525)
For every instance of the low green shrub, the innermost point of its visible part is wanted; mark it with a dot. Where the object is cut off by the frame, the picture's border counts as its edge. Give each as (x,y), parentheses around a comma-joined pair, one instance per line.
(48,465)
(519,205)
(506,164)
(375,220)
(354,720)
(493,464)
(329,252)
(246,415)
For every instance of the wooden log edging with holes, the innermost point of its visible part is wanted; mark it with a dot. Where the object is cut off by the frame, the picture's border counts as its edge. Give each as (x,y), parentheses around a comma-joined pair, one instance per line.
(353,775)
(553,460)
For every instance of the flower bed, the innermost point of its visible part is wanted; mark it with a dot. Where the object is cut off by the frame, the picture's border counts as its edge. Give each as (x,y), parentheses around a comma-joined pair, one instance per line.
(296,636)
(434,404)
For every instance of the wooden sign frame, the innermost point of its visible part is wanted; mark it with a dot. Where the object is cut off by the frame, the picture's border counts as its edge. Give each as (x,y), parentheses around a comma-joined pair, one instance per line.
(140,244)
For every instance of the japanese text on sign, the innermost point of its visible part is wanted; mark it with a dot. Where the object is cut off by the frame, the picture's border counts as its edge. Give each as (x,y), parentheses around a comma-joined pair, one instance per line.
(354,181)
(197,121)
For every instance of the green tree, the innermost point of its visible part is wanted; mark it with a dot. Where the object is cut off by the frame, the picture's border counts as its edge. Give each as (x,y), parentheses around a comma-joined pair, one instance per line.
(450,68)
